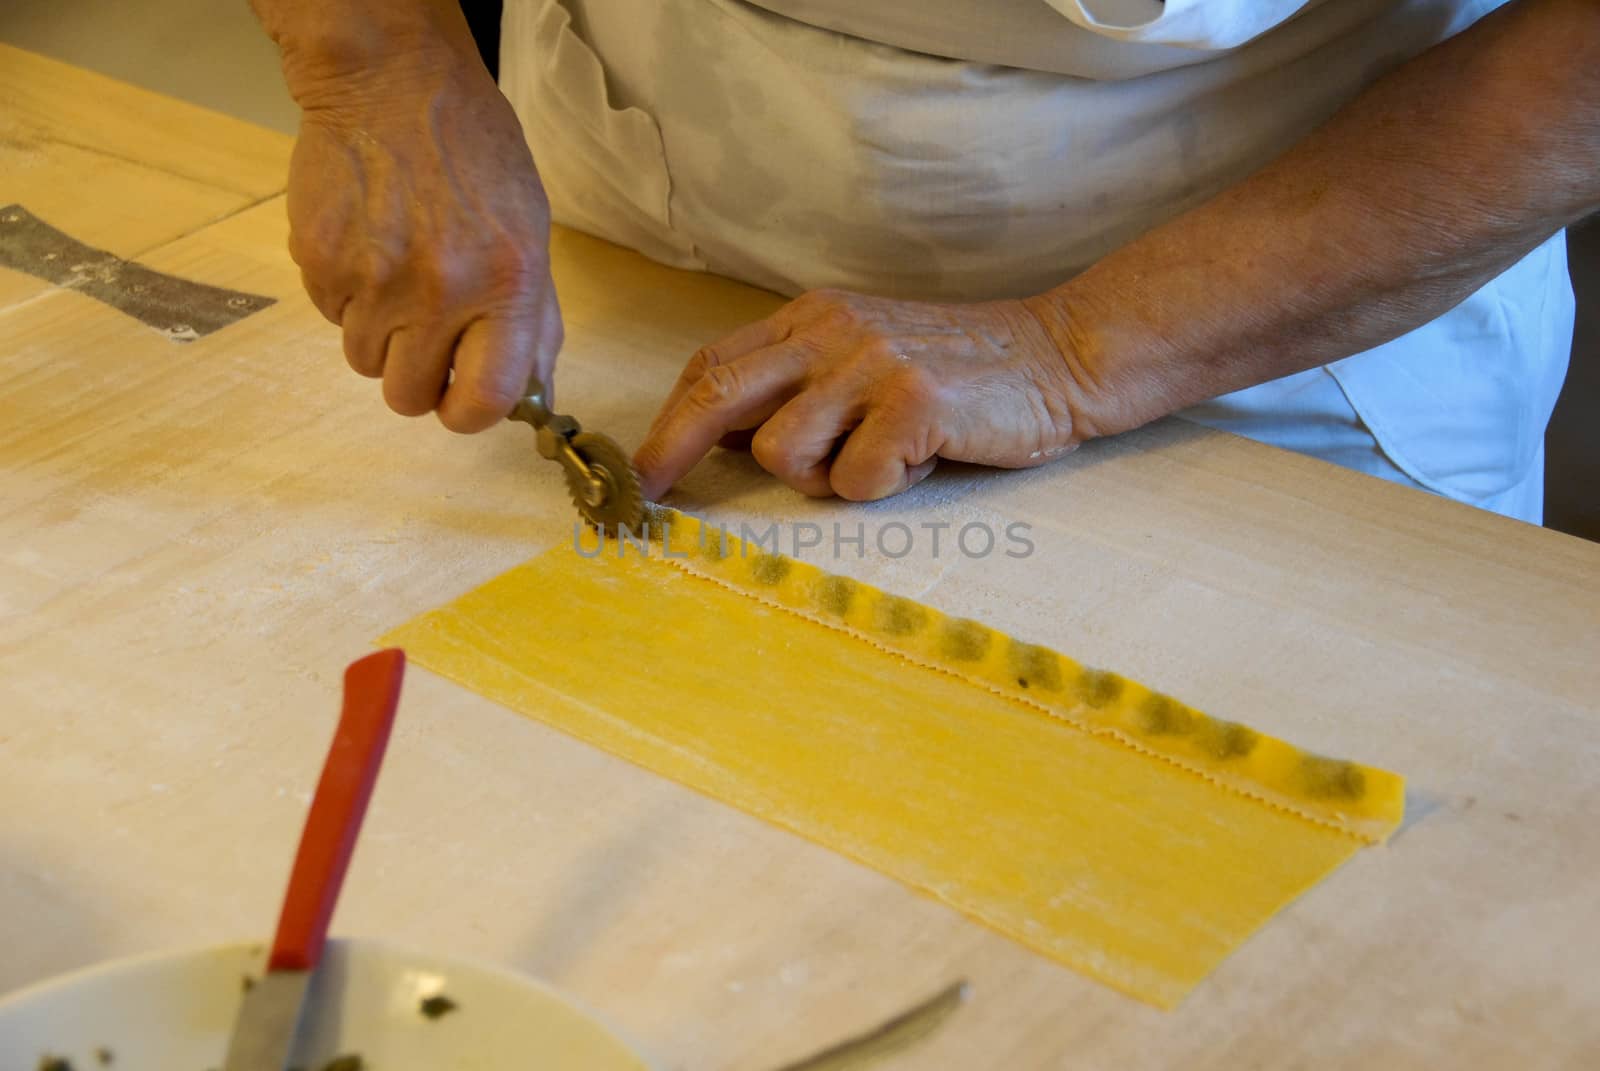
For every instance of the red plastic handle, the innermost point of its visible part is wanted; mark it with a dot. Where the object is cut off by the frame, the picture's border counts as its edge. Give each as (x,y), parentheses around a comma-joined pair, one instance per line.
(371,693)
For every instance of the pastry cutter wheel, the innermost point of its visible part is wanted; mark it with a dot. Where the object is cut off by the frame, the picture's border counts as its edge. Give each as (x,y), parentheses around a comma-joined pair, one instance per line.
(601,478)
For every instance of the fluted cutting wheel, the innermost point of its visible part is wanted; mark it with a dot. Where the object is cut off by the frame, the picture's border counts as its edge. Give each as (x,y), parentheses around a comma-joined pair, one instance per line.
(618,504)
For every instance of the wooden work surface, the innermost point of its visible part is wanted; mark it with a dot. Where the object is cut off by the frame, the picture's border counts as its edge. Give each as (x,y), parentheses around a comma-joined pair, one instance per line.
(197,538)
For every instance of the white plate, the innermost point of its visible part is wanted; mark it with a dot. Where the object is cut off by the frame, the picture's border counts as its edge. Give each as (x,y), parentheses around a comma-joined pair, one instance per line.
(173,1012)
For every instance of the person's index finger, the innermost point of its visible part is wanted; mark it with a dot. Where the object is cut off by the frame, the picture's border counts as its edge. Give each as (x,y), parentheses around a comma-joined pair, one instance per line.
(738,343)
(724,398)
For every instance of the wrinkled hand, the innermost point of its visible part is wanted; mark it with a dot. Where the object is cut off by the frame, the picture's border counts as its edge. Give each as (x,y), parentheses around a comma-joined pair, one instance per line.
(843,394)
(420,227)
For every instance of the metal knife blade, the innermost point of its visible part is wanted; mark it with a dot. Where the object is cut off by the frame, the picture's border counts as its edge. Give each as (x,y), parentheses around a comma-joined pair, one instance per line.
(268,1020)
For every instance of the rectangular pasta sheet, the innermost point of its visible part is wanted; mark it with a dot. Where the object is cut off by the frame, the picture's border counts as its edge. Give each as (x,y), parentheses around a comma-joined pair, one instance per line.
(1104,825)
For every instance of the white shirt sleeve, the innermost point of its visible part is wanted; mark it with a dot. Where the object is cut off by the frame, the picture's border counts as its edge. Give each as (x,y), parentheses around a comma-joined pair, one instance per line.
(1210,25)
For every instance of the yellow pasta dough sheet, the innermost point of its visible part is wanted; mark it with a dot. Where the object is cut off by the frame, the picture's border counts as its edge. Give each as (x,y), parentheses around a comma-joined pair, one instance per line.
(1104,825)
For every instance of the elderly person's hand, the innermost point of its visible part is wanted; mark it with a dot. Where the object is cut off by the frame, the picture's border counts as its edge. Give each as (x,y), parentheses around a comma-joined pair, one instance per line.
(843,394)
(415,213)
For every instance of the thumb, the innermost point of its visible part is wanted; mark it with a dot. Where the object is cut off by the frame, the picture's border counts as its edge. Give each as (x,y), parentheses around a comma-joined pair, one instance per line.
(497,358)
(489,373)
(549,334)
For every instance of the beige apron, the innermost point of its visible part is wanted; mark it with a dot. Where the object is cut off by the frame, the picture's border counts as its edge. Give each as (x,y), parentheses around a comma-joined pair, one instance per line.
(724,136)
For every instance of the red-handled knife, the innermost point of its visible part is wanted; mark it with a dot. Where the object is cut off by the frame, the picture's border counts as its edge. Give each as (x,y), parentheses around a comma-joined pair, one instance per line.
(264,1032)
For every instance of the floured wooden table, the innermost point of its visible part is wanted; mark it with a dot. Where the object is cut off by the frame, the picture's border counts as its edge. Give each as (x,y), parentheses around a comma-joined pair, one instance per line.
(198,536)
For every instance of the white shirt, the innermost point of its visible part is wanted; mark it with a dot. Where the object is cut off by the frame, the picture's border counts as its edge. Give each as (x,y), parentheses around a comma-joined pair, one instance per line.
(1100,39)
(962,150)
